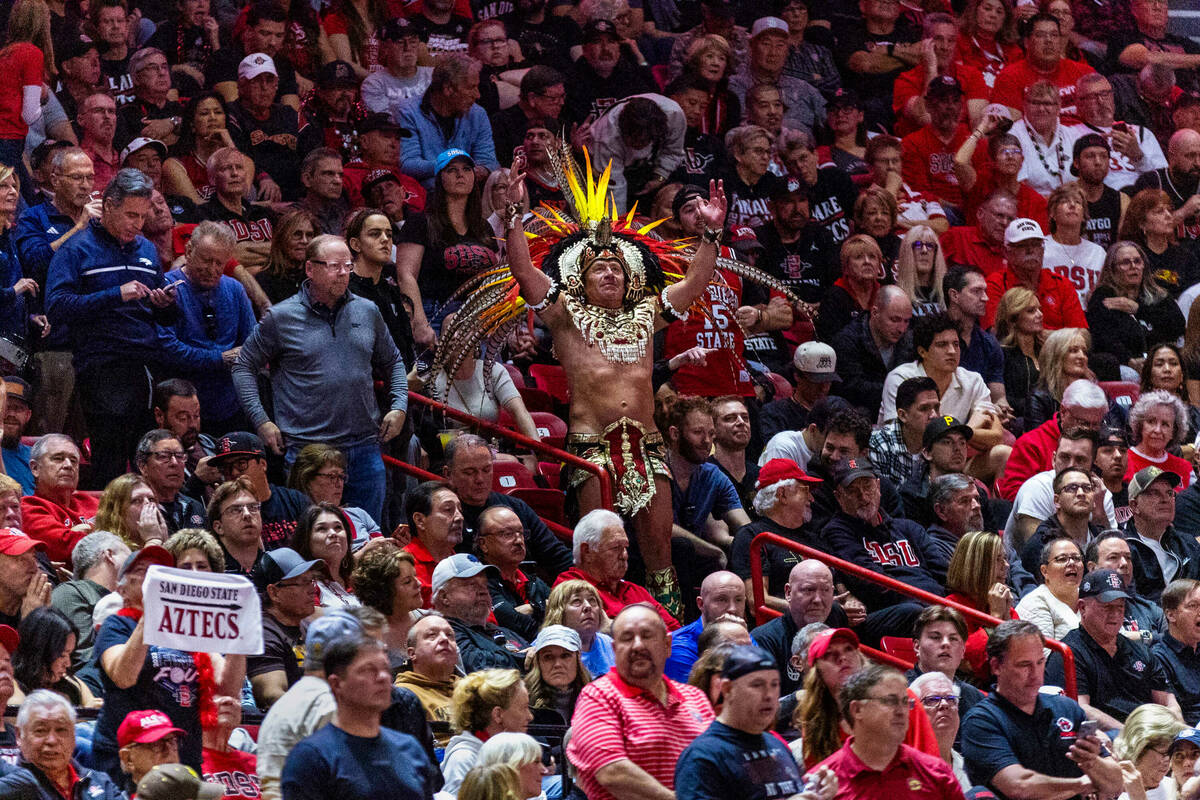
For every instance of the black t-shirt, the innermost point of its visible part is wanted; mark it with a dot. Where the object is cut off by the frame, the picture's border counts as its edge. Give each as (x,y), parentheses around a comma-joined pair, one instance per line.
(777,561)
(997,734)
(283,649)
(548,42)
(271,142)
(492,9)
(253,224)
(443,37)
(1178,189)
(808,266)
(1175,268)
(279,515)
(223,67)
(115,74)
(393,304)
(728,762)
(1104,217)
(1170,43)
(875,88)
(445,265)
(703,156)
(131,116)
(748,204)
(833,202)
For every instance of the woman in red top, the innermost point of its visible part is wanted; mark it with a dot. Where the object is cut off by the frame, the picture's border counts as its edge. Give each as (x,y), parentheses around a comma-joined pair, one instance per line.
(978,578)
(352,29)
(27,58)
(988,40)
(710,59)
(1156,423)
(185,173)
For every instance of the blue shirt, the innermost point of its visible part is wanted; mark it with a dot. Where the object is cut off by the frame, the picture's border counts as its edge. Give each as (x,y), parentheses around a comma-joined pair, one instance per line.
(1182,667)
(332,763)
(684,651)
(983,355)
(16,465)
(601,658)
(709,492)
(208,323)
(725,763)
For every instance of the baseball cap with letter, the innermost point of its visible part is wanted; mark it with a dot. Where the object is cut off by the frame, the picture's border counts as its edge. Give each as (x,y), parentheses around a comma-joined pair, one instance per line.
(816,362)
(1023,229)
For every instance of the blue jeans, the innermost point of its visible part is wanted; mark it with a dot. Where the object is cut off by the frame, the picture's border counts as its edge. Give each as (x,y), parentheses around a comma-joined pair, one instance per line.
(366,478)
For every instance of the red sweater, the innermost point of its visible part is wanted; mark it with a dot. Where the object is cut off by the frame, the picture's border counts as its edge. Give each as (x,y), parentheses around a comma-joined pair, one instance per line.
(1033,453)
(51,523)
(627,593)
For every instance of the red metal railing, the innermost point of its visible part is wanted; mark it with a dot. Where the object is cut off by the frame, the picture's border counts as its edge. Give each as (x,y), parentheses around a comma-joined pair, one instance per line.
(606,496)
(833,562)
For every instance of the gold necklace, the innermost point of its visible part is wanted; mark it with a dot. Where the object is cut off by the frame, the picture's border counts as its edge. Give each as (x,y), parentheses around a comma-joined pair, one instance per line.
(620,335)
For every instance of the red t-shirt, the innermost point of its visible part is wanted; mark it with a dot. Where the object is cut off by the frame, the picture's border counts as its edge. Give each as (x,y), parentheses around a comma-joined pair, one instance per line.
(964,245)
(425,564)
(912,84)
(236,769)
(1060,301)
(985,54)
(928,163)
(725,371)
(368,54)
(23,63)
(1011,83)
(1181,467)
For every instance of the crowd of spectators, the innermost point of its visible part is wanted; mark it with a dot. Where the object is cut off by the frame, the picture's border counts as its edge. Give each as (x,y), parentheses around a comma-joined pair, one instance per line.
(233,231)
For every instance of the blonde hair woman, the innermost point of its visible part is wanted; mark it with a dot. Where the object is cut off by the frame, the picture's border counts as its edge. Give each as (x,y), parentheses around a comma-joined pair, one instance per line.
(491,782)
(1145,741)
(978,577)
(854,291)
(521,752)
(1063,360)
(920,267)
(484,703)
(1020,332)
(577,605)
(128,508)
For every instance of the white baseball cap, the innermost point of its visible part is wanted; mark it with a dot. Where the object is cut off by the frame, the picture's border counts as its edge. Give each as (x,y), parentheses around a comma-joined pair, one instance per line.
(767,24)
(256,64)
(816,362)
(144,141)
(460,565)
(1023,229)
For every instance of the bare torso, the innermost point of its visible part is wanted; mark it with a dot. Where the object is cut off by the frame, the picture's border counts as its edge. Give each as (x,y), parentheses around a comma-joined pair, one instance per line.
(602,391)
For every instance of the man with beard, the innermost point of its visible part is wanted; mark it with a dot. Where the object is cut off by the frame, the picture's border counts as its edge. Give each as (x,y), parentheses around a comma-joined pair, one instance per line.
(176,406)
(731,438)
(796,249)
(460,593)
(784,505)
(327,121)
(610,758)
(861,533)
(1180,179)
(160,458)
(17,413)
(1105,205)
(699,489)
(928,153)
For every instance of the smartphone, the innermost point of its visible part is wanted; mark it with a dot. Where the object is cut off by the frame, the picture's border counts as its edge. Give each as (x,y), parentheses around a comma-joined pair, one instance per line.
(1088,728)
(173,285)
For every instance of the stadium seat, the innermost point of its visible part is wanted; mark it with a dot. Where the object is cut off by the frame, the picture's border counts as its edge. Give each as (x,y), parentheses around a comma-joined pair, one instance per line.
(551,379)
(782,387)
(1123,393)
(517,378)
(509,475)
(551,473)
(535,399)
(550,427)
(899,646)
(548,503)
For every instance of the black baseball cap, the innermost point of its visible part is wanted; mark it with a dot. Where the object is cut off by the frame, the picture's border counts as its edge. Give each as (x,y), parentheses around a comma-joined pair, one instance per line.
(944,86)
(239,444)
(789,186)
(687,193)
(1083,143)
(380,121)
(1112,436)
(848,470)
(844,98)
(1105,585)
(747,658)
(337,75)
(600,27)
(942,426)
(396,29)
(73,48)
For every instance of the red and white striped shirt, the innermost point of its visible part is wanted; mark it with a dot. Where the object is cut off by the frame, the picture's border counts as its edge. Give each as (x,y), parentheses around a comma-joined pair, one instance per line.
(615,721)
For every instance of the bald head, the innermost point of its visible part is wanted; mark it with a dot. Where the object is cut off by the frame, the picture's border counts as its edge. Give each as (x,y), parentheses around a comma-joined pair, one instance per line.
(890,315)
(1183,153)
(889,295)
(722,593)
(809,592)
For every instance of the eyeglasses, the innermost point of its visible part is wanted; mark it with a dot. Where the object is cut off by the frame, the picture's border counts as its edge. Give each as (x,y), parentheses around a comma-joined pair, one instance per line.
(244,508)
(925,247)
(555,97)
(167,456)
(893,701)
(934,700)
(1010,151)
(1067,559)
(86,177)
(506,536)
(1077,488)
(336,477)
(334,266)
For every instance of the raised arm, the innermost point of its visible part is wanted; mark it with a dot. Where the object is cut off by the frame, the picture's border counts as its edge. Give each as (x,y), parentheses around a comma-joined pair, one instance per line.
(533,282)
(712,213)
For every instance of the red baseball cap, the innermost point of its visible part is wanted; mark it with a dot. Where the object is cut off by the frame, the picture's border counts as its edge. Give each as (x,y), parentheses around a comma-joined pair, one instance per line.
(14,543)
(144,727)
(9,638)
(820,645)
(782,469)
(152,553)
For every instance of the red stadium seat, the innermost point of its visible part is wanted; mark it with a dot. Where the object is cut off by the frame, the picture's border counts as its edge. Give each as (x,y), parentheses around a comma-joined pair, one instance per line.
(535,399)
(550,472)
(548,503)
(782,387)
(550,427)
(1123,393)
(899,646)
(517,378)
(551,379)
(509,475)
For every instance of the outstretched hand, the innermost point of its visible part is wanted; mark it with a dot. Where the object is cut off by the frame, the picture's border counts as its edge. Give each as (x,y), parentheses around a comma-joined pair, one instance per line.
(712,211)
(516,181)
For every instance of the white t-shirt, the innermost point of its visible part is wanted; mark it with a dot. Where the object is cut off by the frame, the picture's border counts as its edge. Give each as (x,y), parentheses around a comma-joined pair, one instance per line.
(966,393)
(1122,172)
(787,444)
(469,394)
(1078,263)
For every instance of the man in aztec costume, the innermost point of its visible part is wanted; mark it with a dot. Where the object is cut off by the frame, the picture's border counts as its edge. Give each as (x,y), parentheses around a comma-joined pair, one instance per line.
(602,285)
